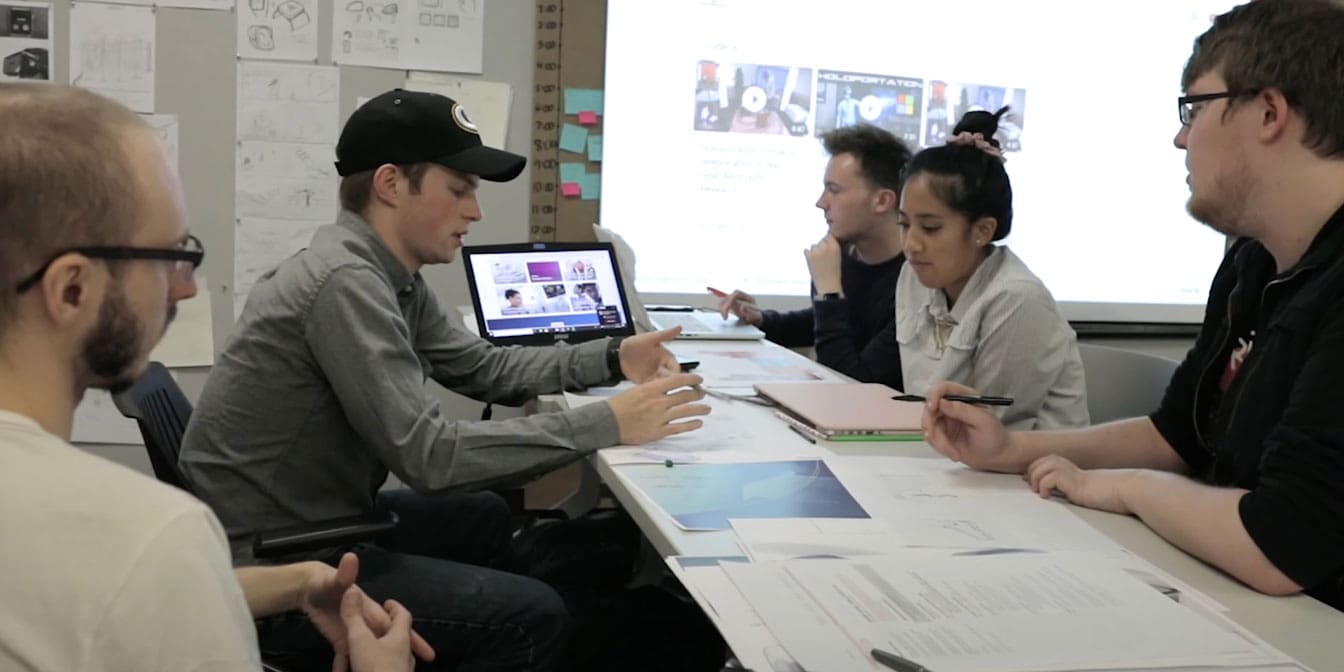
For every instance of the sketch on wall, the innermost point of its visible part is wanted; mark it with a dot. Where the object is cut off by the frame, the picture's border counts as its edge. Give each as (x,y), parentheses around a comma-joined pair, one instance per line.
(285,179)
(278,29)
(435,35)
(112,52)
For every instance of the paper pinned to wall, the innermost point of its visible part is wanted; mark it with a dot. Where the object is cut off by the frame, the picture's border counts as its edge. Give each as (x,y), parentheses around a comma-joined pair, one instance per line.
(257,159)
(260,246)
(487,103)
(112,52)
(97,420)
(190,339)
(286,185)
(165,128)
(280,29)
(223,5)
(28,40)
(286,102)
(443,35)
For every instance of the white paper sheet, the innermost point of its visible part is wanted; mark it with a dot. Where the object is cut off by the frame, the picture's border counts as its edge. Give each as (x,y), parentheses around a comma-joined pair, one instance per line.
(97,420)
(112,52)
(443,35)
(27,40)
(284,102)
(742,628)
(166,129)
(767,540)
(734,431)
(935,502)
(190,339)
(278,29)
(1000,613)
(222,5)
(276,198)
(747,366)
(487,103)
(260,245)
(286,185)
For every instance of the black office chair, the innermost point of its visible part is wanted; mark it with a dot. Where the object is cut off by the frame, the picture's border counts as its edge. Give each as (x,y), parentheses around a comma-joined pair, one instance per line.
(157,404)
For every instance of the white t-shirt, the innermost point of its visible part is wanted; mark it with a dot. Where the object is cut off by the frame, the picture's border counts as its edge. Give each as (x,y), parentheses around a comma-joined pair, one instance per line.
(102,568)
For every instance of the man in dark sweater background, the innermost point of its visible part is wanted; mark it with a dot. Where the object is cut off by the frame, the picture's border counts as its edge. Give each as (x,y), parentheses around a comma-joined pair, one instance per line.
(854,267)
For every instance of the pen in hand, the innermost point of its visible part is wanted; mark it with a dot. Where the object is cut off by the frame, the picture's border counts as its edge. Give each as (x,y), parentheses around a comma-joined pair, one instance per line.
(980,399)
(896,662)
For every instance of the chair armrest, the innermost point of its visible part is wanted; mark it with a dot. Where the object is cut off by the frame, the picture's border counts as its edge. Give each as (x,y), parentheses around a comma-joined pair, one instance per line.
(322,534)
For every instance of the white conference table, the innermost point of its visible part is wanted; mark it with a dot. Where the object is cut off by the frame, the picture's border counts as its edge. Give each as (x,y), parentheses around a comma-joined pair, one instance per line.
(1300,626)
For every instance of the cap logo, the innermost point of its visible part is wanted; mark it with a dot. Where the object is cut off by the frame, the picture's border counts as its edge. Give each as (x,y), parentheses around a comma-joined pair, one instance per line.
(460,116)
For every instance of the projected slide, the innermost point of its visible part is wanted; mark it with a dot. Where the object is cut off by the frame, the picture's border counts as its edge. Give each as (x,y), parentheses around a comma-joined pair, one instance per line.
(713,165)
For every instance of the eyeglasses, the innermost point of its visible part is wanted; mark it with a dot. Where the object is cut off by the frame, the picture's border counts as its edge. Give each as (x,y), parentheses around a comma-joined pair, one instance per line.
(186,258)
(1189,106)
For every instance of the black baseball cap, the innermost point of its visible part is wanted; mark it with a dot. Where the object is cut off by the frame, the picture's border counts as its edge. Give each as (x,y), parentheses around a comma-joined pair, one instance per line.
(404,127)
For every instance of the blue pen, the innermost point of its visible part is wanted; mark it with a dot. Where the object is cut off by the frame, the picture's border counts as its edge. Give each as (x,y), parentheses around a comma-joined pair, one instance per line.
(896,662)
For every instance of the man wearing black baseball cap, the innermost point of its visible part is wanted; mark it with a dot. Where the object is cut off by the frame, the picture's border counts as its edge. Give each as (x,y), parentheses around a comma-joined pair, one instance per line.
(320,393)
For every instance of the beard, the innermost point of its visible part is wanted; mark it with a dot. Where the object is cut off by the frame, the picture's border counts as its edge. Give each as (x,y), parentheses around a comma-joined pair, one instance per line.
(1223,209)
(114,347)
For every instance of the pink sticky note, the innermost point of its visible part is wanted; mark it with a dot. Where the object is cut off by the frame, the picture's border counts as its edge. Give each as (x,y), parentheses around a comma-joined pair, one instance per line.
(588,118)
(570,188)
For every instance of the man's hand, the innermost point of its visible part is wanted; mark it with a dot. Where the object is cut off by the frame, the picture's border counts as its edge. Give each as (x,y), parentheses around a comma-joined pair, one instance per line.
(651,410)
(321,599)
(740,304)
(823,262)
(390,652)
(964,432)
(1102,489)
(643,356)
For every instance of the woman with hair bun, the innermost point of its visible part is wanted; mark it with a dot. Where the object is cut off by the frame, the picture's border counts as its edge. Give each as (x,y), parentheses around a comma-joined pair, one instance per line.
(968,310)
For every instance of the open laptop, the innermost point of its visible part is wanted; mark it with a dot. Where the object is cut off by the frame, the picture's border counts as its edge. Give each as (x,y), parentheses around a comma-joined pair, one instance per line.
(846,409)
(539,293)
(700,324)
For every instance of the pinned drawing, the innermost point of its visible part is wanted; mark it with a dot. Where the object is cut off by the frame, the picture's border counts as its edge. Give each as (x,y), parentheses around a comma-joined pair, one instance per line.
(370,32)
(262,38)
(278,29)
(112,52)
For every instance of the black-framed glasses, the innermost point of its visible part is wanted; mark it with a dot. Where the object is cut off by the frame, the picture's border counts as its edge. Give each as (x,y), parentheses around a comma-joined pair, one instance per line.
(1189,106)
(186,258)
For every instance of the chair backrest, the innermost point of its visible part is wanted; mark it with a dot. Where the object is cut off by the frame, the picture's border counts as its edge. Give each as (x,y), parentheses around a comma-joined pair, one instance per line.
(1123,383)
(158,405)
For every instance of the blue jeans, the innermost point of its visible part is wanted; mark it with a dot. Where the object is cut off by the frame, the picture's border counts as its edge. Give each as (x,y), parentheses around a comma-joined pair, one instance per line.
(444,562)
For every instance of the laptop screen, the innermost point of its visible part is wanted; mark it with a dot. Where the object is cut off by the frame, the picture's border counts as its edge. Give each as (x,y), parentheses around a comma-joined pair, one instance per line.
(544,292)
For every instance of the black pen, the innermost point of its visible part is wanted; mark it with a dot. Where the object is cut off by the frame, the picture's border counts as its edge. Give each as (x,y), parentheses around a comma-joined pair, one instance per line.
(968,398)
(896,662)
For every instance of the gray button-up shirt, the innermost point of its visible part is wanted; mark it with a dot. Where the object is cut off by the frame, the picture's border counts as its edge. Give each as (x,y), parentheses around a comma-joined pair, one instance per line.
(322,390)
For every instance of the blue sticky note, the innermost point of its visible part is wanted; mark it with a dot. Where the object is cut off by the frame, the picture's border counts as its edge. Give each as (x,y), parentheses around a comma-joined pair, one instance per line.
(594,148)
(573,138)
(571,172)
(583,100)
(591,186)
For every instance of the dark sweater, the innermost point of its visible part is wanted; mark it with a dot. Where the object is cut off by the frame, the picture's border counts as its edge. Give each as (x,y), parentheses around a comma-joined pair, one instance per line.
(1277,429)
(855,335)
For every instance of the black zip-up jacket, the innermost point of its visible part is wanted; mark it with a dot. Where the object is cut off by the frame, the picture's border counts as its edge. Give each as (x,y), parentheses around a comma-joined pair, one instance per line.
(1278,430)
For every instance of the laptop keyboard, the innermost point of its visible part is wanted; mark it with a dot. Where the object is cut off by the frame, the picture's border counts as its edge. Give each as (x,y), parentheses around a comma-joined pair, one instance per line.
(686,322)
